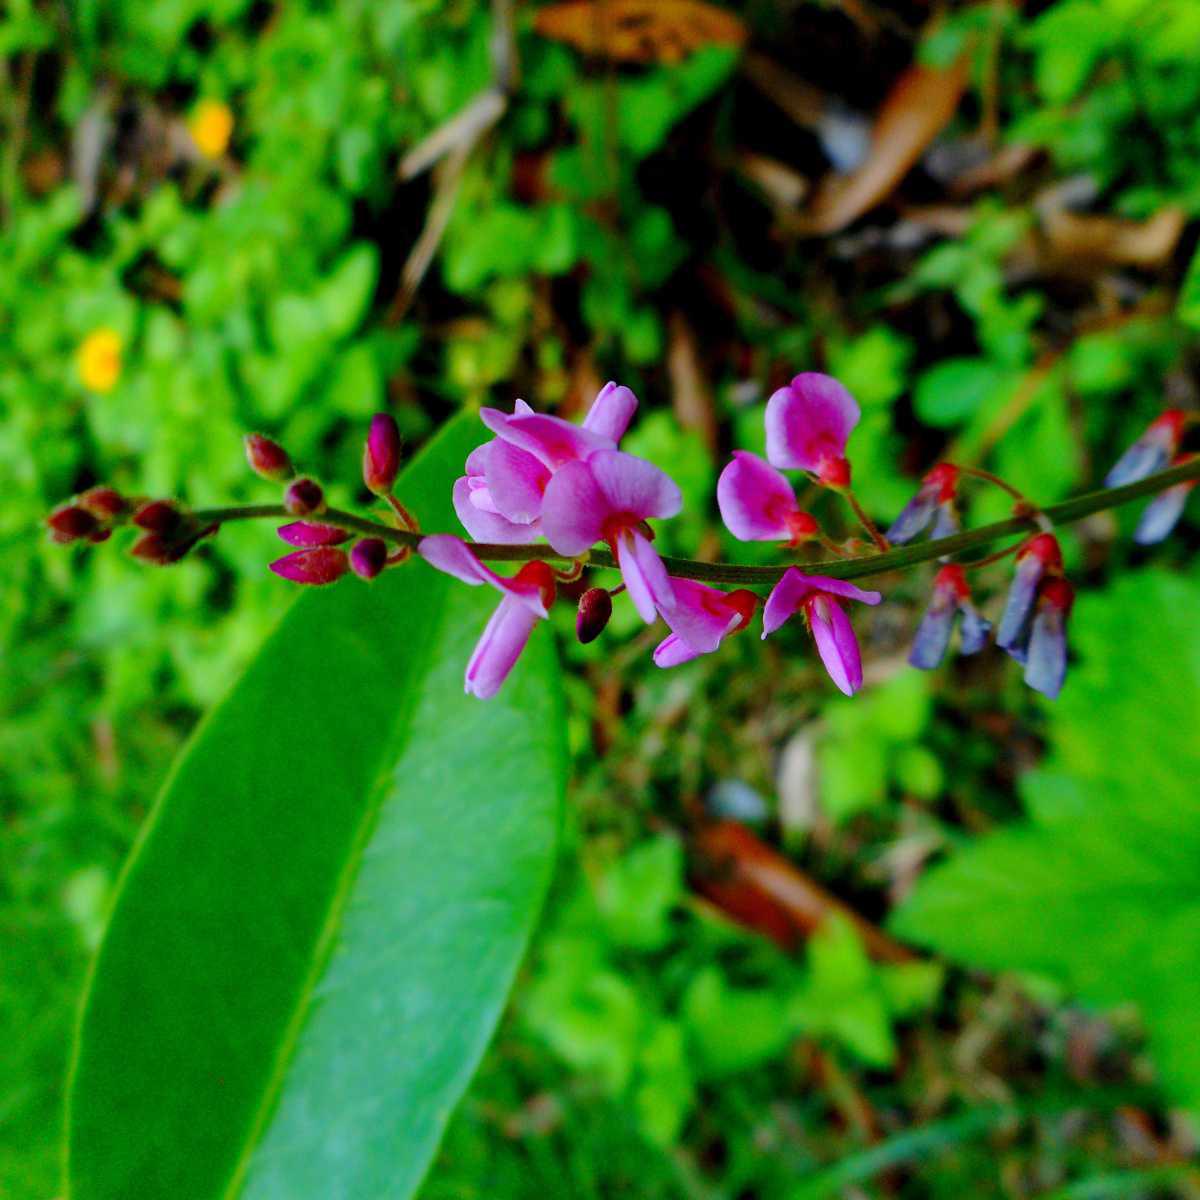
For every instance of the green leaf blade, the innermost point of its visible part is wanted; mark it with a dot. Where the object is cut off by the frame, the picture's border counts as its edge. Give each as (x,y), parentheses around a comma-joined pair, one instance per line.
(319,927)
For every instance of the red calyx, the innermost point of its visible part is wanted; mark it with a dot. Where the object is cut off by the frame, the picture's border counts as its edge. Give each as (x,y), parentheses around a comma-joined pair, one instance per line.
(944,477)
(538,574)
(744,603)
(801,527)
(1045,547)
(1058,593)
(835,472)
(953,578)
(1171,421)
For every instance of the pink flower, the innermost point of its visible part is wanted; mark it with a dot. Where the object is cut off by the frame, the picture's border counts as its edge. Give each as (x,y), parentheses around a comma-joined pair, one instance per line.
(758,505)
(934,502)
(820,598)
(808,424)
(500,497)
(608,498)
(1152,451)
(526,599)
(313,533)
(701,618)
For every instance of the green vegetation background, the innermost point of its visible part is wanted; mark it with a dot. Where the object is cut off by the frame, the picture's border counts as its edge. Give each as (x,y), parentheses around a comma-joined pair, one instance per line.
(619,222)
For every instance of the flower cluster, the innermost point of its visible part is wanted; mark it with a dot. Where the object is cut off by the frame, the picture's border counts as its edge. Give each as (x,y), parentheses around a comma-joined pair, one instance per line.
(543,481)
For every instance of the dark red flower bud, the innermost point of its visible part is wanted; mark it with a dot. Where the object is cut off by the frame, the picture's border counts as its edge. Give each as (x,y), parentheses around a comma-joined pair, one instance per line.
(157,549)
(104,503)
(302,497)
(595,609)
(308,534)
(159,516)
(69,523)
(381,454)
(322,565)
(268,459)
(368,557)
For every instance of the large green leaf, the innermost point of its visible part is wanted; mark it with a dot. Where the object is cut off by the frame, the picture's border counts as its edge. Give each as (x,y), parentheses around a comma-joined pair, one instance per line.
(317,931)
(1101,889)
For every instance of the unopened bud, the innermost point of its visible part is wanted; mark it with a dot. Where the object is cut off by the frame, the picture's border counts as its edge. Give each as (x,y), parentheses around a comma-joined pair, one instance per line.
(268,459)
(308,534)
(302,497)
(368,557)
(595,609)
(69,523)
(381,454)
(158,516)
(104,503)
(322,565)
(158,550)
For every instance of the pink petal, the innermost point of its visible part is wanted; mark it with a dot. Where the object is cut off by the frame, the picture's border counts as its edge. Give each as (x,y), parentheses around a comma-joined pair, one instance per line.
(755,500)
(611,412)
(701,615)
(551,440)
(322,565)
(634,488)
(809,421)
(792,590)
(452,555)
(673,651)
(313,533)
(573,509)
(476,511)
(836,643)
(645,577)
(515,481)
(499,647)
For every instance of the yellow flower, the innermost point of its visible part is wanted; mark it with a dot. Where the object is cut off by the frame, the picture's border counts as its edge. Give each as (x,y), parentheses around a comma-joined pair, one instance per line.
(211,125)
(98,360)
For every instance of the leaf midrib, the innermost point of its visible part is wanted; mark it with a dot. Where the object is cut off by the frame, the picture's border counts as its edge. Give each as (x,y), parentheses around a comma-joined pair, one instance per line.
(325,941)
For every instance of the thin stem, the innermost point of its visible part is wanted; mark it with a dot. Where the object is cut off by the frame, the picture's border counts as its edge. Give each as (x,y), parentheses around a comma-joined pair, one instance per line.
(872,529)
(895,559)
(1004,485)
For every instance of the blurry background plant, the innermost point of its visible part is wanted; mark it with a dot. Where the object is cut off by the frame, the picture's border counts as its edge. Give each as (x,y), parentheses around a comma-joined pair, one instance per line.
(981,225)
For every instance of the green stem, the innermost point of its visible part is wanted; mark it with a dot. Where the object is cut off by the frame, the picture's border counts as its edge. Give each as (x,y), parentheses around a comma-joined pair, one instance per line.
(895,559)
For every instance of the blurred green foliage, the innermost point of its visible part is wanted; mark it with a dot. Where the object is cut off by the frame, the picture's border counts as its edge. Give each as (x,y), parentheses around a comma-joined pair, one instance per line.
(652,1045)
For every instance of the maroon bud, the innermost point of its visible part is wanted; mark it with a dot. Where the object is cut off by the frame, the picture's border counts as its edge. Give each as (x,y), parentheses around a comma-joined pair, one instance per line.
(156,549)
(104,503)
(368,557)
(268,459)
(595,608)
(159,516)
(325,564)
(381,455)
(309,534)
(69,523)
(302,497)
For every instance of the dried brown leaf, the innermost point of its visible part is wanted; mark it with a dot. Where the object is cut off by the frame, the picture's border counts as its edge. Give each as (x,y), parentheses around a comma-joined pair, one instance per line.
(916,110)
(691,397)
(640,31)
(1113,241)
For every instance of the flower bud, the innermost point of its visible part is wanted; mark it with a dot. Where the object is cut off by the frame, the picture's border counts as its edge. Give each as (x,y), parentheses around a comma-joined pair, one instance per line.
(368,557)
(69,522)
(303,496)
(268,459)
(159,550)
(308,534)
(325,564)
(104,503)
(381,454)
(595,609)
(158,516)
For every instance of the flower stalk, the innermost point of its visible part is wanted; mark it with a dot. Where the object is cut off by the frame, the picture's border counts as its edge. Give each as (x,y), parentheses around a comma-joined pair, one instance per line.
(897,558)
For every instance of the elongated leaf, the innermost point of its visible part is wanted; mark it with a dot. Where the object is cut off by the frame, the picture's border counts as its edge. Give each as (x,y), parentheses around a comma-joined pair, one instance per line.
(317,931)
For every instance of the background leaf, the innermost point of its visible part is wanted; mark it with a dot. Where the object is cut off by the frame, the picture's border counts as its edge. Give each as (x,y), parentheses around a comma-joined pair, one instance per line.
(1100,890)
(317,932)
